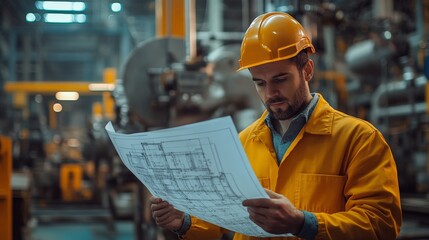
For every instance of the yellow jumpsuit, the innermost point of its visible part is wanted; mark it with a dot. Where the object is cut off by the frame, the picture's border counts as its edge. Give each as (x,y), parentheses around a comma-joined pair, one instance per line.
(339,167)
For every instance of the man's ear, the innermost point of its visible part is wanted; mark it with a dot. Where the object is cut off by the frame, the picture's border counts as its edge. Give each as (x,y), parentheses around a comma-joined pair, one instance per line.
(308,70)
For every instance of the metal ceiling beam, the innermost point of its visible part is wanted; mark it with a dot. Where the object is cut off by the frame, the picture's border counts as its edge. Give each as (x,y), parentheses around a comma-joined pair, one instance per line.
(53,87)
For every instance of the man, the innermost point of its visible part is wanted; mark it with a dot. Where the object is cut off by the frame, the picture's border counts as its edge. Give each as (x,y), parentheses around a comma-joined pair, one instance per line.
(328,175)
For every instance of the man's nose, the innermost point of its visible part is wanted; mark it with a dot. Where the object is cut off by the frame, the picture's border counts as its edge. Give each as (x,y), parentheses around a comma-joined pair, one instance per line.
(271,90)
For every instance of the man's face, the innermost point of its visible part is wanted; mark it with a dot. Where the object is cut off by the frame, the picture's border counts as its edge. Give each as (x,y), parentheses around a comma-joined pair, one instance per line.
(281,87)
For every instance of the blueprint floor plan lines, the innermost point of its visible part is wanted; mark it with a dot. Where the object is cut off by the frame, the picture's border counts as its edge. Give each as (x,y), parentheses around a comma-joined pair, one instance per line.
(200,168)
(185,167)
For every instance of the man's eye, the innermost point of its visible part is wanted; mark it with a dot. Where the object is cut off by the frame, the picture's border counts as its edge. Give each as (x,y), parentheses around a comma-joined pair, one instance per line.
(279,80)
(260,84)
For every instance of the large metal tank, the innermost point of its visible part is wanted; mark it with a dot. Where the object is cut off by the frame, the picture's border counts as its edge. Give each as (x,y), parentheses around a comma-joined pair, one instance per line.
(162,91)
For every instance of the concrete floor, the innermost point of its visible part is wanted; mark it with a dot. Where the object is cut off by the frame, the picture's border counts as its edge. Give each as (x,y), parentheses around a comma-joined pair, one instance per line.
(82,231)
(67,222)
(124,230)
(89,223)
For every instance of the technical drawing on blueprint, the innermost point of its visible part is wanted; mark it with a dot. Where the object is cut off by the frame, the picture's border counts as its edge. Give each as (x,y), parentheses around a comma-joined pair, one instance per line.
(200,168)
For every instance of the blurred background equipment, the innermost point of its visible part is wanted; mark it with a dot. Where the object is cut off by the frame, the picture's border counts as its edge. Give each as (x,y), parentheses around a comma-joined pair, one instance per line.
(5,188)
(69,67)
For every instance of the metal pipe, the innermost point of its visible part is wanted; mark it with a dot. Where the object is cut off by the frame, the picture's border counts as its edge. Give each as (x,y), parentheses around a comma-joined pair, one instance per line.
(191,33)
(245,14)
(215,23)
(395,90)
(382,8)
(168,14)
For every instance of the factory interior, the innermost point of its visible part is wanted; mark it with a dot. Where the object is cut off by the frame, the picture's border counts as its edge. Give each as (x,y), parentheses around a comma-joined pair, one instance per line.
(69,67)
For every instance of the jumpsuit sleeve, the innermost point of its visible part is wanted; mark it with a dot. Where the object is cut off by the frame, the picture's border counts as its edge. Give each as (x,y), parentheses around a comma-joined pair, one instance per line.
(203,230)
(372,209)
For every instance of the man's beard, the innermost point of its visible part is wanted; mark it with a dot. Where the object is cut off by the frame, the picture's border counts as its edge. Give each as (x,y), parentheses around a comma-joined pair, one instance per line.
(295,104)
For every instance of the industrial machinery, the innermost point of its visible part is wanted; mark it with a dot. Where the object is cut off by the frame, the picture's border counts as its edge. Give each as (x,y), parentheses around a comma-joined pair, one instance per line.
(393,93)
(165,91)
(5,188)
(390,90)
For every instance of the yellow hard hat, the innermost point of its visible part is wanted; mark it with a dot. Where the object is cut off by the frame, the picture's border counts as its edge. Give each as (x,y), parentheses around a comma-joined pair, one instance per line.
(272,37)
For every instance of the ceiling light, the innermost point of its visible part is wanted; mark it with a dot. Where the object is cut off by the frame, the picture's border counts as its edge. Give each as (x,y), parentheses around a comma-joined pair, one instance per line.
(60,6)
(30,17)
(80,18)
(57,107)
(116,7)
(64,18)
(101,87)
(67,96)
(58,17)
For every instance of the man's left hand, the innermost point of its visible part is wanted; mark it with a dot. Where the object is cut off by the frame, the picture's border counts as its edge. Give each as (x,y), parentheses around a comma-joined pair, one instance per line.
(276,214)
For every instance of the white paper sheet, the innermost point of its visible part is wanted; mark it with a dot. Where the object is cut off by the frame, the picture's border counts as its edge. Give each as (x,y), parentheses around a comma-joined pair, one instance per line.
(200,168)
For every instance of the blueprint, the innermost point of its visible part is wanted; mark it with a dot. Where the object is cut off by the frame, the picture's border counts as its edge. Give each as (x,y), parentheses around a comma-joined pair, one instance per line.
(200,168)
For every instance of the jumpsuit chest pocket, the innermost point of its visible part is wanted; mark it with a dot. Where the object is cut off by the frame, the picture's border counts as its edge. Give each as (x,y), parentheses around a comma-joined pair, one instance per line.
(265,182)
(320,193)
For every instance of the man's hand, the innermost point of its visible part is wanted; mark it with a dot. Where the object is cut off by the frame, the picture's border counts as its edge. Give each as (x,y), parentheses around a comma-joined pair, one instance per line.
(165,214)
(275,215)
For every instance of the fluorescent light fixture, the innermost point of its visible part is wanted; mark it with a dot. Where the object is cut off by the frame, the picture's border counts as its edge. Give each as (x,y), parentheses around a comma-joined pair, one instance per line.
(101,87)
(60,6)
(116,7)
(33,17)
(57,107)
(80,18)
(64,18)
(30,17)
(67,96)
(58,17)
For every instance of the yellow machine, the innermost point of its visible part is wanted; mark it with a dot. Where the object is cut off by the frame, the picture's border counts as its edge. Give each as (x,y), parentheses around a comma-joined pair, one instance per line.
(5,188)
(71,184)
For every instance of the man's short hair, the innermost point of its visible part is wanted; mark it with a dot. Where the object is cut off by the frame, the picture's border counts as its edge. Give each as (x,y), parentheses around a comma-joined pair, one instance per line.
(300,59)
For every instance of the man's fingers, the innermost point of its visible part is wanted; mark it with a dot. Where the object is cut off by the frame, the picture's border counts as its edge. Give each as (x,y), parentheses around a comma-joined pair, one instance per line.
(160,209)
(258,219)
(263,202)
(257,202)
(265,214)
(256,212)
(164,214)
(157,206)
(154,200)
(255,219)
(165,218)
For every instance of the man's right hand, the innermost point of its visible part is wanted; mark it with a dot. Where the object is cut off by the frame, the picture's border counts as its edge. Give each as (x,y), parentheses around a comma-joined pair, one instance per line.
(165,214)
